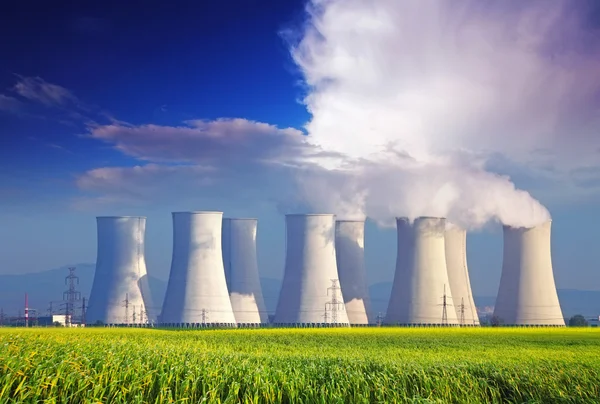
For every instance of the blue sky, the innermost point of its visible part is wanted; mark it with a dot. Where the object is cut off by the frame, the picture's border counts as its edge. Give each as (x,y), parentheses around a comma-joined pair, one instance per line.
(82,86)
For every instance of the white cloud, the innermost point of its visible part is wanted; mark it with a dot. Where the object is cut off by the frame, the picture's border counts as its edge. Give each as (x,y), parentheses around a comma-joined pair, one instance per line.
(38,90)
(222,141)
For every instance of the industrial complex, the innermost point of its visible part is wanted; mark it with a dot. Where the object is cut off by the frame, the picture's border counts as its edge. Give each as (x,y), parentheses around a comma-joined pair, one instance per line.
(214,279)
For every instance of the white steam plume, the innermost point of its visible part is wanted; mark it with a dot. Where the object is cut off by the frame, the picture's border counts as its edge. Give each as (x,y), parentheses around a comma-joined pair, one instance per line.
(418,94)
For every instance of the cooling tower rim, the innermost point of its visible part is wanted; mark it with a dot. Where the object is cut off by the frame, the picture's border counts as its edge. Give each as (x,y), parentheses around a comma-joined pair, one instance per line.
(120,217)
(420,217)
(310,214)
(509,227)
(240,218)
(198,212)
(350,220)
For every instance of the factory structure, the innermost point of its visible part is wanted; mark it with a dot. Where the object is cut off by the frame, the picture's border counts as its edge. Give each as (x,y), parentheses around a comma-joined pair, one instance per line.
(241,271)
(527,294)
(120,290)
(310,292)
(214,277)
(197,289)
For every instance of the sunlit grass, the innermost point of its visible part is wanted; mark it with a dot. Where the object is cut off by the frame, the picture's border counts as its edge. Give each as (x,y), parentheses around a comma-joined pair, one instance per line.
(300,365)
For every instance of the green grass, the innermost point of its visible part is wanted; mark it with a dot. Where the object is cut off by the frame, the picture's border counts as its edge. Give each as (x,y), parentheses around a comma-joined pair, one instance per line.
(376,365)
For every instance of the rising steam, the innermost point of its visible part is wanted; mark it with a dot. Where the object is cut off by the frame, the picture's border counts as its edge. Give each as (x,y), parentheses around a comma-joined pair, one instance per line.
(418,94)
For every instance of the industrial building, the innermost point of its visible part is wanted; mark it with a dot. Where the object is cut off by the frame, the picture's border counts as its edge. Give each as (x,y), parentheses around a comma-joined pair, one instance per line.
(120,291)
(421,291)
(350,257)
(197,289)
(458,275)
(310,293)
(241,271)
(527,293)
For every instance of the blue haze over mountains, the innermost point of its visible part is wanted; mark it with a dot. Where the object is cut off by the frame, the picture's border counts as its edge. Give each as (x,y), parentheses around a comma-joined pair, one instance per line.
(48,286)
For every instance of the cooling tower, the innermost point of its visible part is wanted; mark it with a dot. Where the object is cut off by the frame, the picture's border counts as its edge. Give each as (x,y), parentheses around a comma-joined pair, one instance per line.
(120,289)
(241,271)
(458,275)
(197,290)
(310,292)
(350,257)
(421,291)
(527,294)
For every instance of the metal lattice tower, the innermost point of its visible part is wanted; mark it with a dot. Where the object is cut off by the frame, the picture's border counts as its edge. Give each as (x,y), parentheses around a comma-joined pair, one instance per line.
(379,319)
(462,311)
(126,305)
(334,303)
(71,295)
(444,309)
(204,316)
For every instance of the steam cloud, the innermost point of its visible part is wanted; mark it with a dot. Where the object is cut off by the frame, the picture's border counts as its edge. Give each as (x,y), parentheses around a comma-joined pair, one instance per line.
(418,95)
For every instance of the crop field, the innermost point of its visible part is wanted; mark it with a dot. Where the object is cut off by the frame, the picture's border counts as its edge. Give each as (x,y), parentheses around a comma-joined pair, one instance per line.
(375,365)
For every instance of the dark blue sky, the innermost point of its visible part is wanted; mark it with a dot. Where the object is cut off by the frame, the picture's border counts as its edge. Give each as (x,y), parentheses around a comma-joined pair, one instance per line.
(69,66)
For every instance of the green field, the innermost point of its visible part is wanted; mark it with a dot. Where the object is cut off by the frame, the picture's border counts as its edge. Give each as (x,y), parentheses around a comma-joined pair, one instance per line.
(300,365)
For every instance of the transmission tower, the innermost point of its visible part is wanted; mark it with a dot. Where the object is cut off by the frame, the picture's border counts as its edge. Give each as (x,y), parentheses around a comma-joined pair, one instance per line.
(204,316)
(71,295)
(134,315)
(1,316)
(379,319)
(26,311)
(334,303)
(444,310)
(462,311)
(83,308)
(126,305)
(325,315)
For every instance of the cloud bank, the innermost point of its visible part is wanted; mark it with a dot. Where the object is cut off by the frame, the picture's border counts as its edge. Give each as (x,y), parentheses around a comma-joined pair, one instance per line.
(417,108)
(424,94)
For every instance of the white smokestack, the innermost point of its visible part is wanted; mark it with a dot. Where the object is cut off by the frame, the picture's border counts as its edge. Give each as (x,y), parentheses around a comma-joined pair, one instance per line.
(458,275)
(197,289)
(310,266)
(120,281)
(350,256)
(241,271)
(527,293)
(421,279)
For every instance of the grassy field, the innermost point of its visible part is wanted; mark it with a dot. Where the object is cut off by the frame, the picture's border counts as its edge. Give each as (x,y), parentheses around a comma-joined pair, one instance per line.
(377,365)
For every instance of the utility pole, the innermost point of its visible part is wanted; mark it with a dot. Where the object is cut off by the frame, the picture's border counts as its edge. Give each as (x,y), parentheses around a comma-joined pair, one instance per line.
(325,315)
(26,311)
(83,308)
(126,305)
(71,295)
(334,303)
(462,311)
(379,319)
(444,310)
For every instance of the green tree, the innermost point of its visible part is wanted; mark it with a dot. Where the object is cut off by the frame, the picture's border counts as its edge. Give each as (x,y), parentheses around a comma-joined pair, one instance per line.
(577,321)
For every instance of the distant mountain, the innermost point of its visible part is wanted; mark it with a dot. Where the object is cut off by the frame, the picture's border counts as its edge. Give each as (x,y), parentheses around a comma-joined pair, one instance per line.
(44,287)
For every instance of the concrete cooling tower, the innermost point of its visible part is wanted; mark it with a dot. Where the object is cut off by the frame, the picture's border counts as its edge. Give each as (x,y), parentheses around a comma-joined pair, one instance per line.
(241,271)
(421,282)
(458,275)
(527,293)
(120,292)
(310,292)
(197,290)
(350,257)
